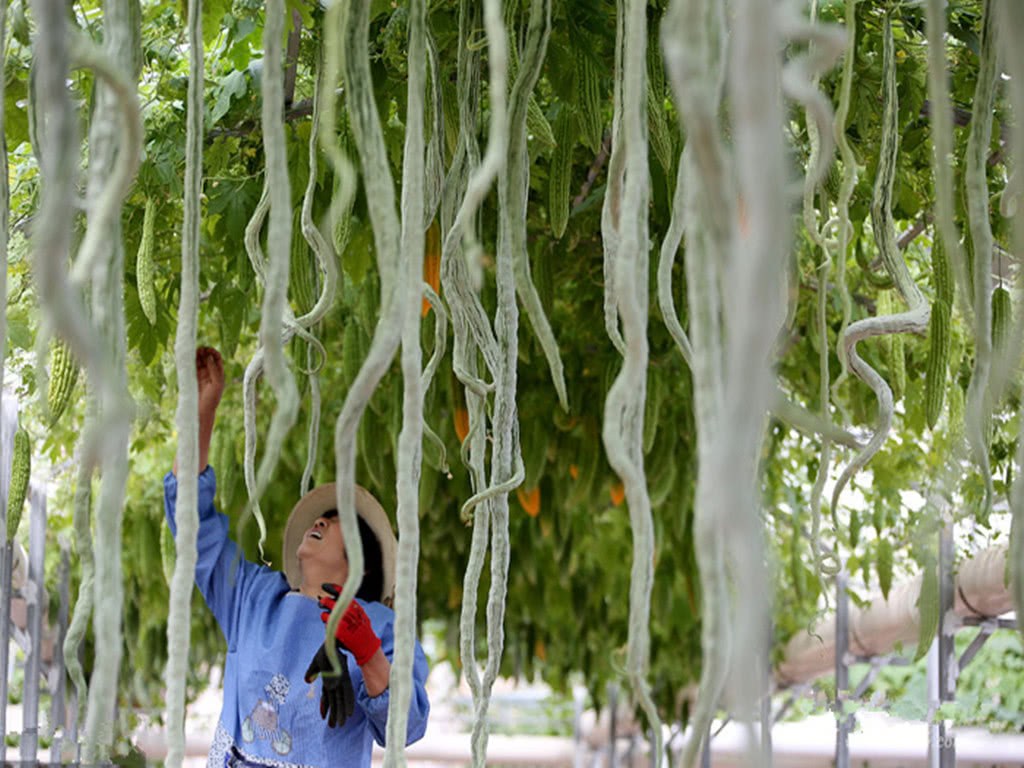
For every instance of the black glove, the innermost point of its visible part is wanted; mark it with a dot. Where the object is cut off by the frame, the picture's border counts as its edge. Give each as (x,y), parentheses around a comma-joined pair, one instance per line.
(337,698)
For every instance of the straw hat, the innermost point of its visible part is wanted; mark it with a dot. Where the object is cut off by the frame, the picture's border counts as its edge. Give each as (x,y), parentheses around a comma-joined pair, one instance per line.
(322,499)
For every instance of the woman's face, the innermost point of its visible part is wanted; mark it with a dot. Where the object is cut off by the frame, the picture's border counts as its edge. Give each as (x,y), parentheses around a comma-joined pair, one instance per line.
(323,547)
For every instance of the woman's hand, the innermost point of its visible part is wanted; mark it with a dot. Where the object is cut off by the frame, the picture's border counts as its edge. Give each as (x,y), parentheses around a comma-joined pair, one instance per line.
(210,381)
(210,378)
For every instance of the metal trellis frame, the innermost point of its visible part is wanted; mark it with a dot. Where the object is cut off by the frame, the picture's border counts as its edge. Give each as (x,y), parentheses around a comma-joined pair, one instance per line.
(944,663)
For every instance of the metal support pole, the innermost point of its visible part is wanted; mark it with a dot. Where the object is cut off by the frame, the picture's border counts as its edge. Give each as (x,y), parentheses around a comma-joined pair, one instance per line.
(8,426)
(577,730)
(843,724)
(705,754)
(58,708)
(948,666)
(613,706)
(933,704)
(35,591)
(5,630)
(766,705)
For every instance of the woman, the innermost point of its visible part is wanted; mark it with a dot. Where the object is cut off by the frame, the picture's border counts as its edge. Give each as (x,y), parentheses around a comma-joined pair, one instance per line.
(282,707)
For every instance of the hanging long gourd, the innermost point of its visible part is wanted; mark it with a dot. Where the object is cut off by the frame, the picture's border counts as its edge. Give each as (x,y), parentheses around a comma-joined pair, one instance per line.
(63,305)
(693,38)
(275,287)
(612,204)
(468,180)
(979,407)
(525,288)
(666,261)
(411,436)
(323,261)
(506,471)
(290,325)
(915,319)
(1012,19)
(380,195)
(622,431)
(819,156)
(114,151)
(187,509)
(755,275)
(82,525)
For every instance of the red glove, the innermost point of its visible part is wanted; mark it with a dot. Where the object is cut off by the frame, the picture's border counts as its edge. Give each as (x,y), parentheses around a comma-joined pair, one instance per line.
(354,631)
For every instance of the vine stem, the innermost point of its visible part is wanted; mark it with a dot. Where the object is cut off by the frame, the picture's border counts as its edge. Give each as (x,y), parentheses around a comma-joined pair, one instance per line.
(179,618)
(752,271)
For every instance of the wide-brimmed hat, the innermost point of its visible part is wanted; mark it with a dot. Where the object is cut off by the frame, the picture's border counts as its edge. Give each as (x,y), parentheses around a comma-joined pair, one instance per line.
(323,499)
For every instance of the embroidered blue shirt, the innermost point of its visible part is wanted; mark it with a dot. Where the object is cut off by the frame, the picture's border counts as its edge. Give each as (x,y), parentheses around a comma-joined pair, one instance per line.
(271,716)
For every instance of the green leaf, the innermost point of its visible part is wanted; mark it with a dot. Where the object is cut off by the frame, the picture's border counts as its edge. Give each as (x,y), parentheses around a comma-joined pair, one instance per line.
(18,333)
(213,13)
(232,86)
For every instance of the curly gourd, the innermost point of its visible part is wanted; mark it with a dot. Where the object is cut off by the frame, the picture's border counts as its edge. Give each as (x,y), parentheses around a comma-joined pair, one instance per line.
(275,287)
(915,319)
(847,183)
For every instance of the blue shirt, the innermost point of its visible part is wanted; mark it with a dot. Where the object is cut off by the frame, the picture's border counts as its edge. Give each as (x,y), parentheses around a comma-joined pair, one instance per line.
(271,716)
